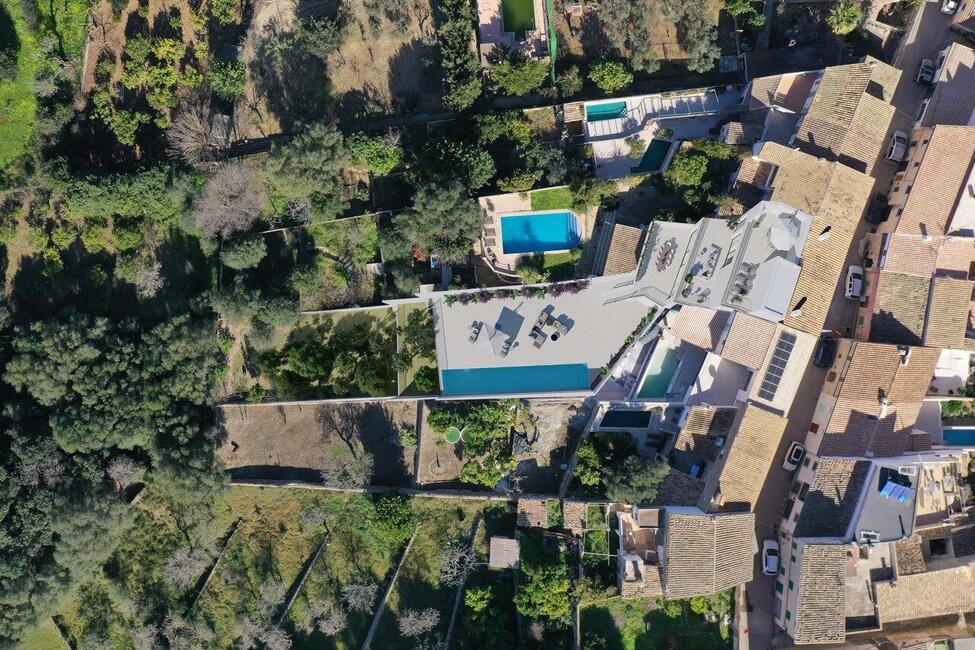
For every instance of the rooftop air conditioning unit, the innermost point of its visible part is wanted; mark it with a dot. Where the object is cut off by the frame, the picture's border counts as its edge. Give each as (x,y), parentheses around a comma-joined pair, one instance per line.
(907,470)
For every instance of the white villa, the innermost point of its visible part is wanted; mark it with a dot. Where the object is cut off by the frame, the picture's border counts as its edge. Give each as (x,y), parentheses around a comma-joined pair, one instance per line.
(562,338)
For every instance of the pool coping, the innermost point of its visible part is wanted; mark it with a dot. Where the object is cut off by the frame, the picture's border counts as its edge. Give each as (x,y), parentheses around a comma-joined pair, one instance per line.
(499,217)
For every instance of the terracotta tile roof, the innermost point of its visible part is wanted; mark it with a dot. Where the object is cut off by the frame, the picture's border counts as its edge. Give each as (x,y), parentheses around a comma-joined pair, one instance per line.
(700,326)
(821,600)
(574,516)
(650,585)
(940,180)
(504,553)
(900,307)
(753,451)
(950,315)
(735,134)
(533,513)
(837,197)
(860,423)
(703,425)
(934,593)
(707,553)
(963,540)
(763,91)
(953,99)
(956,258)
(748,340)
(679,489)
(912,254)
(755,172)
(794,89)
(624,250)
(908,557)
(795,368)
(850,116)
(832,497)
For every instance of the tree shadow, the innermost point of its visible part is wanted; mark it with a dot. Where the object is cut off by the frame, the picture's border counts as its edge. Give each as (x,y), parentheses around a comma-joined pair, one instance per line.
(9,39)
(294,84)
(414,78)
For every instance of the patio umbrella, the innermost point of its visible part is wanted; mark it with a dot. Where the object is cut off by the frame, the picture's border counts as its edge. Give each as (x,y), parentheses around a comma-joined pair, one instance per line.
(493,339)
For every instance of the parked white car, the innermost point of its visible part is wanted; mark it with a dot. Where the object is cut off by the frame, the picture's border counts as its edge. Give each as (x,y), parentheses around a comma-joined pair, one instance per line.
(854,282)
(770,557)
(949,7)
(793,457)
(898,147)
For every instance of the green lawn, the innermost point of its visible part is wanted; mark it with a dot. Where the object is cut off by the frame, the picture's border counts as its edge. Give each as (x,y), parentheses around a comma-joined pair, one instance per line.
(18,103)
(556,266)
(557,198)
(406,386)
(45,637)
(635,625)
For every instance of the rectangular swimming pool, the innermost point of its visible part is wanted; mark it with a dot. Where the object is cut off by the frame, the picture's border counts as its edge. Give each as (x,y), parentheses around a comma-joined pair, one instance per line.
(607,111)
(516,379)
(660,373)
(626,419)
(653,158)
(960,437)
(539,232)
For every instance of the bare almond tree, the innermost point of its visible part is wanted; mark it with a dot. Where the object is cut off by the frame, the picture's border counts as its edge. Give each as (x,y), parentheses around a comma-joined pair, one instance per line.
(185,565)
(230,202)
(414,622)
(270,597)
(456,563)
(360,597)
(328,616)
(145,637)
(189,137)
(125,471)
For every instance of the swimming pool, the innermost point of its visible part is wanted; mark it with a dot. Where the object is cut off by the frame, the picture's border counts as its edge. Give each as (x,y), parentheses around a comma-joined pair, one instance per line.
(607,111)
(539,232)
(516,379)
(960,437)
(626,419)
(654,157)
(660,374)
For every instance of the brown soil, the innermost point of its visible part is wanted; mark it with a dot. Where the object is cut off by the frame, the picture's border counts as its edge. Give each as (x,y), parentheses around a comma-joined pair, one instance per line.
(542,466)
(296,441)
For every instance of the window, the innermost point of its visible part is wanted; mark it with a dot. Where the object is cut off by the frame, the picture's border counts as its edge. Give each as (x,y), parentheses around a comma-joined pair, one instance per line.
(815,465)
(813,428)
(802,492)
(782,570)
(794,547)
(908,190)
(792,586)
(778,587)
(776,367)
(788,615)
(793,559)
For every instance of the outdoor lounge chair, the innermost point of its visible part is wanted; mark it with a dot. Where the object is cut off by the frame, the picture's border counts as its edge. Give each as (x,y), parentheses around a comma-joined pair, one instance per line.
(475,330)
(490,241)
(538,338)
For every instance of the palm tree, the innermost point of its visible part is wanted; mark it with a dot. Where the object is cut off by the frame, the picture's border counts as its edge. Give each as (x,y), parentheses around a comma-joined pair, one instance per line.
(845,16)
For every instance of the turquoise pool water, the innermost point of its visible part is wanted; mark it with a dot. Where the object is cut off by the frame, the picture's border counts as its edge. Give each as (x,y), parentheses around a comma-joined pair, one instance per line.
(965,437)
(660,372)
(516,379)
(539,232)
(653,158)
(608,111)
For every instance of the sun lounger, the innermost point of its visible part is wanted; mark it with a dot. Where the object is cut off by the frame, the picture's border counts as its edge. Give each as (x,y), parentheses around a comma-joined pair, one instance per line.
(490,241)
(475,330)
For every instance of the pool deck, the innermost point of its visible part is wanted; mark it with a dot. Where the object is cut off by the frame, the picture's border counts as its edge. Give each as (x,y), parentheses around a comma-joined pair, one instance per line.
(499,205)
(590,339)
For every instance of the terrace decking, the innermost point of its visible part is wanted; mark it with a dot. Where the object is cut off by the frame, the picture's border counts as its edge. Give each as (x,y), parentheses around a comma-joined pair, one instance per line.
(641,109)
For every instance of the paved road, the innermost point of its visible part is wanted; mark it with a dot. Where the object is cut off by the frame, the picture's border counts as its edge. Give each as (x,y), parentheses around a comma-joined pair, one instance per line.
(768,510)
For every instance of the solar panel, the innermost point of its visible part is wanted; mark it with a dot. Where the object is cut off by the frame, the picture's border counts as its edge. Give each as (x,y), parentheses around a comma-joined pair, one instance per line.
(776,367)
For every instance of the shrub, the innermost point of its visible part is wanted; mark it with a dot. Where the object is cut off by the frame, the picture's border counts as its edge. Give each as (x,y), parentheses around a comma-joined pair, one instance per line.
(380,155)
(244,253)
(519,182)
(610,76)
(227,79)
(461,68)
(517,77)
(844,16)
(225,11)
(570,81)
(127,233)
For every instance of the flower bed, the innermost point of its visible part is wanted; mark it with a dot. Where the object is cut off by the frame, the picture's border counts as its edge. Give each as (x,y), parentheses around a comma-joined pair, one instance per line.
(534,291)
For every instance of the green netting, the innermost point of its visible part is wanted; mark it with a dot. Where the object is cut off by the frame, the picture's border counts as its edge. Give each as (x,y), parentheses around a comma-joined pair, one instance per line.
(553,37)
